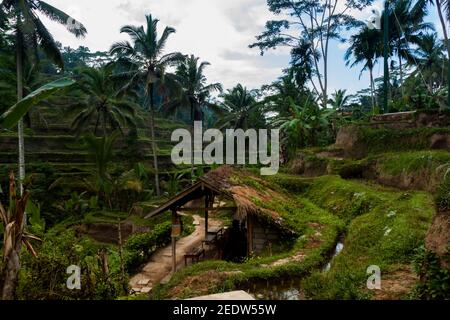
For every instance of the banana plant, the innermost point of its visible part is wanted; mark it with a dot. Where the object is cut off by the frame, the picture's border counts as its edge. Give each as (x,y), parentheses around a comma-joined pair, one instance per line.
(12,116)
(14,236)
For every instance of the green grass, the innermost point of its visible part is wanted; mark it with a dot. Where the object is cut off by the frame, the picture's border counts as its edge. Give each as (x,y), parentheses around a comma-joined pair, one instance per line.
(413,161)
(386,228)
(384,140)
(344,198)
(382,227)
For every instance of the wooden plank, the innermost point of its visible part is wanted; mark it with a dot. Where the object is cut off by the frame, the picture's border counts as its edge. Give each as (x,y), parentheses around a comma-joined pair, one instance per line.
(249,235)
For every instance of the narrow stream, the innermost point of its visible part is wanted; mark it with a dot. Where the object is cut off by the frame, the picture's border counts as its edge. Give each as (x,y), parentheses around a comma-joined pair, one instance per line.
(284,288)
(337,250)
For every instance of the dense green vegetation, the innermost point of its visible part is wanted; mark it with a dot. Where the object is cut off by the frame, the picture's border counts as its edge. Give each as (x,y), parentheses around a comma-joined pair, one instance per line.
(88,134)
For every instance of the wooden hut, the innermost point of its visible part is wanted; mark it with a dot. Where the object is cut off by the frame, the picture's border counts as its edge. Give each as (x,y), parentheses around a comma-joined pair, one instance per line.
(228,186)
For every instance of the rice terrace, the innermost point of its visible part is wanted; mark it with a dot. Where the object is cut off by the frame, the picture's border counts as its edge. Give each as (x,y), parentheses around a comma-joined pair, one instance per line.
(224,150)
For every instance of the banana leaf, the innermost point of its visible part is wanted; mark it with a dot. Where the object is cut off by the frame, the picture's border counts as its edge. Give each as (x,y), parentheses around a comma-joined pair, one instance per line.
(11,117)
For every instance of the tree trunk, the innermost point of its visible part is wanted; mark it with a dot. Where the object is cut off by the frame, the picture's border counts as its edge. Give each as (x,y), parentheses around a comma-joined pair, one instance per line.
(400,62)
(11,272)
(20,133)
(447,45)
(325,80)
(372,90)
(192,141)
(104,125)
(154,147)
(443,24)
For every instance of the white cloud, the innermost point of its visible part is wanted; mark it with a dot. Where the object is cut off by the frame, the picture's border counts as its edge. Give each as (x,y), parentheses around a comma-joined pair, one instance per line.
(215,30)
(218,31)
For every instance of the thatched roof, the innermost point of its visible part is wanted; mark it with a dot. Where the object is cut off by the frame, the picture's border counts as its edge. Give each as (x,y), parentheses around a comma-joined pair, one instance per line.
(244,188)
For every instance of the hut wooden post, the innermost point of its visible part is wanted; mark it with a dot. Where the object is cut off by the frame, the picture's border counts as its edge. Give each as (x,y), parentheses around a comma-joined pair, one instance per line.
(249,235)
(174,242)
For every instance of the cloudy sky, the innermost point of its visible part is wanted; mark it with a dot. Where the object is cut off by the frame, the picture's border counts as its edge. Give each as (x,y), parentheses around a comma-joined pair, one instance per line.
(218,31)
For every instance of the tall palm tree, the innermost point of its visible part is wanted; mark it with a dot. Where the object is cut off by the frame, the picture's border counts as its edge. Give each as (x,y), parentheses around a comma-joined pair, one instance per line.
(365,47)
(240,108)
(283,91)
(430,60)
(339,100)
(147,64)
(102,150)
(31,33)
(103,104)
(443,10)
(407,21)
(195,91)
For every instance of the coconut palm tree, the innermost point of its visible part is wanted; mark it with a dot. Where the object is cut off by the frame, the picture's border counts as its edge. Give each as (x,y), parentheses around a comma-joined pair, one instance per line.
(147,65)
(31,33)
(101,150)
(443,10)
(430,59)
(103,104)
(283,91)
(407,21)
(339,100)
(240,108)
(365,47)
(195,91)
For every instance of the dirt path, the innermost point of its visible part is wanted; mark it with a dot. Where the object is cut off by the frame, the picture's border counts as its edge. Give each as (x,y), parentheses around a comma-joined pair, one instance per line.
(159,266)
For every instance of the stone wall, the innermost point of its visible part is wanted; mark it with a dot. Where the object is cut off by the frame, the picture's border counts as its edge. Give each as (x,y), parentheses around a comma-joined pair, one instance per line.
(395,132)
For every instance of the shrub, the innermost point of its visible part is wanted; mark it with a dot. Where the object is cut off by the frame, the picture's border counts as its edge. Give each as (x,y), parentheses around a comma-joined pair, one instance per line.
(442,198)
(341,285)
(45,277)
(435,278)
(140,247)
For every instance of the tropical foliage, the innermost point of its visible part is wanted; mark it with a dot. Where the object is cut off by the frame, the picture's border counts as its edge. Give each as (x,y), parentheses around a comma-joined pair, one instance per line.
(110,116)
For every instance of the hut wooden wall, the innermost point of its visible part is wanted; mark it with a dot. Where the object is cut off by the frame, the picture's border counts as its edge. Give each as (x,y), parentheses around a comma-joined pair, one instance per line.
(261,235)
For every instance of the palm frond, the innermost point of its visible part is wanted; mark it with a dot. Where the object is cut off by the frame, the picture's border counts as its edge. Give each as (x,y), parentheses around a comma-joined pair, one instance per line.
(162,41)
(47,43)
(122,48)
(171,59)
(61,17)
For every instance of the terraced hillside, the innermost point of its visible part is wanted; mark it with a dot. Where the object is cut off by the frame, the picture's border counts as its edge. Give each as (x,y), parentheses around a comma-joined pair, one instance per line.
(54,143)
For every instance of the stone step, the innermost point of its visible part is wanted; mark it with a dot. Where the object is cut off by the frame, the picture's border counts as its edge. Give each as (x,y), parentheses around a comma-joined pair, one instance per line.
(143,282)
(146,289)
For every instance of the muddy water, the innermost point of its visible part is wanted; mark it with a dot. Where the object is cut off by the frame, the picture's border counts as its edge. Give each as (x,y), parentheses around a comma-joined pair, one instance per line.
(275,289)
(283,289)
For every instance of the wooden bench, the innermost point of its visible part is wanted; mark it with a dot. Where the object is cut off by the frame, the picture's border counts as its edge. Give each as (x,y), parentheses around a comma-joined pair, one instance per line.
(194,255)
(212,236)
